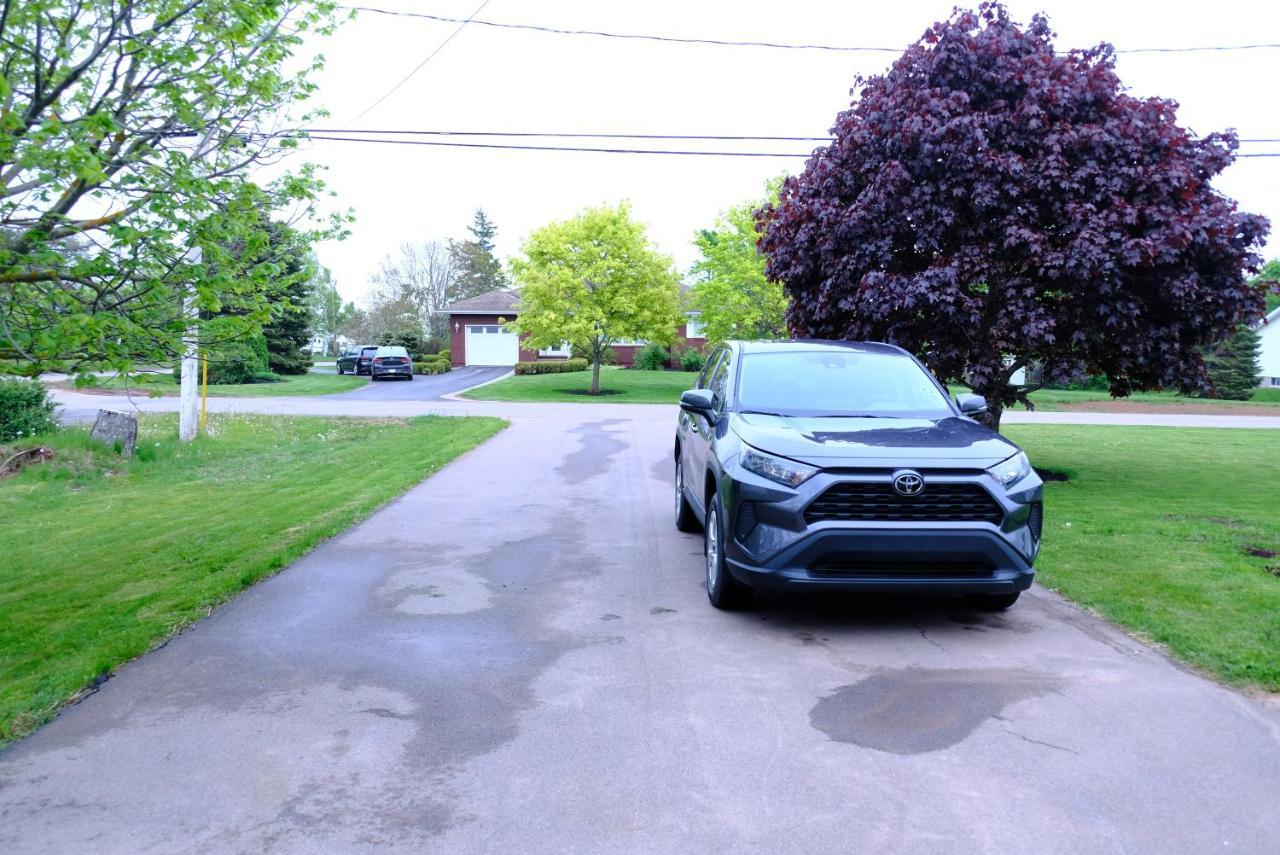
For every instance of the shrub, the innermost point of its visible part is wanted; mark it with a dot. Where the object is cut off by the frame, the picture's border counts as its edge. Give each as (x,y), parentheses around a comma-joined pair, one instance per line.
(430,366)
(408,339)
(444,352)
(652,357)
(25,408)
(233,364)
(551,366)
(266,377)
(693,360)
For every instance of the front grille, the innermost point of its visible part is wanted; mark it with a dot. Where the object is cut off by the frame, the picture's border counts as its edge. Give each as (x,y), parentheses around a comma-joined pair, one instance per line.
(879,502)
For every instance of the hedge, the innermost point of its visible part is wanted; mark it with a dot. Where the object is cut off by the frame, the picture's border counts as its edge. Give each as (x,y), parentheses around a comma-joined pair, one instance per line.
(551,366)
(25,409)
(433,366)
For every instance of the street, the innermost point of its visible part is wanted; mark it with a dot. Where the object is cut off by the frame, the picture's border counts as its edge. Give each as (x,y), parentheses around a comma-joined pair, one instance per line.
(518,655)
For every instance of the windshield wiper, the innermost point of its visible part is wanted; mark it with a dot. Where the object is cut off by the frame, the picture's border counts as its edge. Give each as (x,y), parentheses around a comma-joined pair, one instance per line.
(762,413)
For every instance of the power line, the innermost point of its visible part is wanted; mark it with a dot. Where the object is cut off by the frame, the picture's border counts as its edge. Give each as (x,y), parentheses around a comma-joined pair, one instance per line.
(598,150)
(461,24)
(515,147)
(632,36)
(617,136)
(758,44)
(608,136)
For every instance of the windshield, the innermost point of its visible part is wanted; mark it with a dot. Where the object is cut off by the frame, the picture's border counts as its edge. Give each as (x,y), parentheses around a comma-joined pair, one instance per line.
(846,383)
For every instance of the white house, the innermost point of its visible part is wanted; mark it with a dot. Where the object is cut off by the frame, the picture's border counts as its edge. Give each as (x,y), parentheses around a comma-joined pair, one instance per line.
(1269,351)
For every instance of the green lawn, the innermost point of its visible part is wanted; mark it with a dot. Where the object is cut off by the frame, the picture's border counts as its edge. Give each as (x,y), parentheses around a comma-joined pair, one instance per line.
(104,557)
(1160,521)
(301,384)
(623,386)
(664,387)
(1053,399)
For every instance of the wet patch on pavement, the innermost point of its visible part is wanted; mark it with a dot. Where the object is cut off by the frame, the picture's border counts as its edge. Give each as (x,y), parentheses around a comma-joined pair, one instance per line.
(664,470)
(917,710)
(596,450)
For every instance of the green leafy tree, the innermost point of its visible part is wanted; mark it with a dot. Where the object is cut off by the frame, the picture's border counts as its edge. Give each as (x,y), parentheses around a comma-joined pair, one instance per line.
(330,316)
(477,269)
(1269,278)
(127,131)
(593,280)
(730,290)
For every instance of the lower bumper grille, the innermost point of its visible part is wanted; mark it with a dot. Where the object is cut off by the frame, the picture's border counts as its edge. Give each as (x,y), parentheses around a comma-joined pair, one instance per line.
(856,570)
(879,502)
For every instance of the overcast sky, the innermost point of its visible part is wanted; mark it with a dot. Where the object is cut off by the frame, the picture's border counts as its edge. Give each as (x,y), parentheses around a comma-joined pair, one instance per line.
(487,79)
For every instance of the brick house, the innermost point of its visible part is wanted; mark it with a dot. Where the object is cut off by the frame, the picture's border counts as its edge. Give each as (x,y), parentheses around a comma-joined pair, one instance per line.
(477,336)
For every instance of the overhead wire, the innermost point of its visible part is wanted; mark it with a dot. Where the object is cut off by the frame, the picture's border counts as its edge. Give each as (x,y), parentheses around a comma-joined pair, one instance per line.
(749,43)
(462,23)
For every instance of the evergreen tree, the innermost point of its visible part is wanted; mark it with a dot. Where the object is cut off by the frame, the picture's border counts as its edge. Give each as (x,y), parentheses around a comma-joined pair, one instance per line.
(478,269)
(289,329)
(1232,365)
(483,230)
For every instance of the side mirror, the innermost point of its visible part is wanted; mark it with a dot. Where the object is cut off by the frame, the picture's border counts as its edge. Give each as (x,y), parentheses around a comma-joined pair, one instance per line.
(972,405)
(699,402)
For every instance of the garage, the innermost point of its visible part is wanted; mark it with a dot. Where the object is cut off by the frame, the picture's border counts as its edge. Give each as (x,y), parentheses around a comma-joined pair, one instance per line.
(490,344)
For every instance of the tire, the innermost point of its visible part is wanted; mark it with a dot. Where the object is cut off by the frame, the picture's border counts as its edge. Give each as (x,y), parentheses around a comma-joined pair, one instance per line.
(724,591)
(992,602)
(686,520)
(373,378)
(409,378)
(340,371)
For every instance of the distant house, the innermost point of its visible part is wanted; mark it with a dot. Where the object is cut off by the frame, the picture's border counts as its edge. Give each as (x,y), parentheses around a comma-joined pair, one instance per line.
(1269,349)
(477,335)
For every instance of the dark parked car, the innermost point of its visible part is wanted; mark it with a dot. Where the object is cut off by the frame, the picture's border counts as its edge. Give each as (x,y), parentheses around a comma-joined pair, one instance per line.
(820,465)
(391,361)
(356,359)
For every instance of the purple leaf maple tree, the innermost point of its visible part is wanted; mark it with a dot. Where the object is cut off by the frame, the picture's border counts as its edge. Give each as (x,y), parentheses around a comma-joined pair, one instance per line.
(989,204)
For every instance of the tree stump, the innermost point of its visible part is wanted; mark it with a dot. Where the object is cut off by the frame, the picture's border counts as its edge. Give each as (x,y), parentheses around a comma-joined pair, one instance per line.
(116,430)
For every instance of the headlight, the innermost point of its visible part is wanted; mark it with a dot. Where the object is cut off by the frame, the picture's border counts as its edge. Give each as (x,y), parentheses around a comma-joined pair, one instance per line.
(776,468)
(1013,469)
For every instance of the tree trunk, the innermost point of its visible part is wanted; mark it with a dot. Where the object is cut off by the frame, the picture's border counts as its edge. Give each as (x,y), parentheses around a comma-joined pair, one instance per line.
(595,368)
(994,411)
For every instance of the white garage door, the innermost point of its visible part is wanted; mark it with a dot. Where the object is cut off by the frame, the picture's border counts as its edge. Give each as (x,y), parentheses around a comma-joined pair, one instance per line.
(490,344)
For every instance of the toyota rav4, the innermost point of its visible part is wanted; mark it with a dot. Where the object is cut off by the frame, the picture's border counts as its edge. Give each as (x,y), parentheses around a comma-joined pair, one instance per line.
(823,464)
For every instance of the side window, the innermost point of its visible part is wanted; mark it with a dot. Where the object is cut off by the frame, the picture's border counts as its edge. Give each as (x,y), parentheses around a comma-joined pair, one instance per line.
(709,370)
(718,384)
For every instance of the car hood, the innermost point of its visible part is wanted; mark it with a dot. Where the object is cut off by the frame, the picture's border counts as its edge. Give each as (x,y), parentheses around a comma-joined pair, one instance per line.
(827,442)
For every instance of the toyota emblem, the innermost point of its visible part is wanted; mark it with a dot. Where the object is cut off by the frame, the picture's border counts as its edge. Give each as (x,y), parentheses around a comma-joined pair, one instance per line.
(908,483)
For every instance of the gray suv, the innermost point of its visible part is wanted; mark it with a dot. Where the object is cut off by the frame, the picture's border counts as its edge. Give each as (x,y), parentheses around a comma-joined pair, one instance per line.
(826,464)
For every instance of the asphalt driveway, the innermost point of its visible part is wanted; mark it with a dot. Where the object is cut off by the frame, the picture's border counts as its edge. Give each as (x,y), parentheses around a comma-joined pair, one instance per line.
(518,656)
(423,387)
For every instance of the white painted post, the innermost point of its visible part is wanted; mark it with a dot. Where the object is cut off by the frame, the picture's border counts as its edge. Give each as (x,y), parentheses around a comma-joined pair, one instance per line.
(189,401)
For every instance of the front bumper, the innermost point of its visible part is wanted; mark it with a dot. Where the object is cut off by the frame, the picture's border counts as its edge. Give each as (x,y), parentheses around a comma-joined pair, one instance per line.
(769,544)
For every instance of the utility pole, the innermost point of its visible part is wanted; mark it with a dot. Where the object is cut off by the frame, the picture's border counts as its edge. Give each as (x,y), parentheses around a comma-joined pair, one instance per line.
(189,406)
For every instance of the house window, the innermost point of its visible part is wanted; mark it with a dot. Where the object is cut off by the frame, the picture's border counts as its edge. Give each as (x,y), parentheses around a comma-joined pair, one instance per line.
(562,349)
(630,342)
(693,327)
(479,329)
(1275,381)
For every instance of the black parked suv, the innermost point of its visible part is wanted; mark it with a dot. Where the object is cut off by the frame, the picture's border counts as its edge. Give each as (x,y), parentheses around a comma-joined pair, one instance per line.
(824,464)
(357,359)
